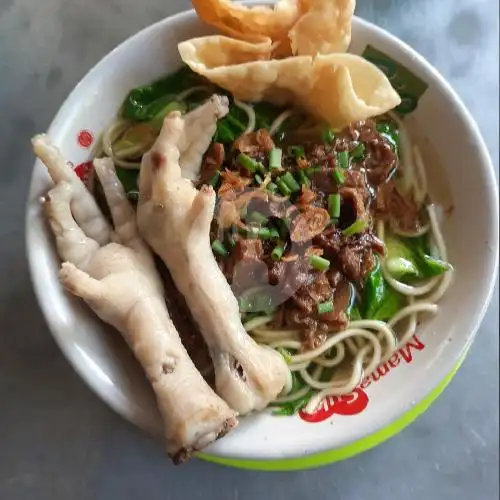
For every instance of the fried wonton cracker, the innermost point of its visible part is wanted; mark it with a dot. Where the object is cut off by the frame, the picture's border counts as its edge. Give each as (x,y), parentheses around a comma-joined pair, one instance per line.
(336,88)
(324,27)
(253,24)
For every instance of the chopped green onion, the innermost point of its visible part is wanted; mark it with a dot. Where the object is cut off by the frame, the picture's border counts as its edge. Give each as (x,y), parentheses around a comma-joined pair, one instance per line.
(334,205)
(358,152)
(343,159)
(258,179)
(274,233)
(275,158)
(264,233)
(297,151)
(250,164)
(272,187)
(328,135)
(383,128)
(290,182)
(215,179)
(325,307)
(247,162)
(252,232)
(283,225)
(319,263)
(285,190)
(231,241)
(338,176)
(304,180)
(358,226)
(286,355)
(219,248)
(277,253)
(258,217)
(313,170)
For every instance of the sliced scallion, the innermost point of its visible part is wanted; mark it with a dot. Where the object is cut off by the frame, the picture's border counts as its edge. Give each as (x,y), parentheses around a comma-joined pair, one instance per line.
(313,170)
(277,252)
(258,179)
(215,179)
(334,205)
(304,180)
(319,263)
(290,182)
(258,217)
(264,233)
(275,158)
(328,135)
(274,233)
(272,187)
(231,241)
(358,152)
(343,159)
(285,190)
(247,162)
(339,177)
(358,226)
(297,151)
(219,248)
(325,307)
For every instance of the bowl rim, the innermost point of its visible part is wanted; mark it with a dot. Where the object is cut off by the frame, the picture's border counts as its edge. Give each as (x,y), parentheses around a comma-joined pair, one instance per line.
(486,291)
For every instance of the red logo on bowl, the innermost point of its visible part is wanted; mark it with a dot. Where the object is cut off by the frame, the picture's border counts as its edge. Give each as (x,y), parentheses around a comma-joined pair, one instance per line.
(357,401)
(84,171)
(85,138)
(348,404)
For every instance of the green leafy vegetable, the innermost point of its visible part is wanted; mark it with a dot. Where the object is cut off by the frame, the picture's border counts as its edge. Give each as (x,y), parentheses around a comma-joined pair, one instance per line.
(380,301)
(146,102)
(354,314)
(291,408)
(128,178)
(400,260)
(408,258)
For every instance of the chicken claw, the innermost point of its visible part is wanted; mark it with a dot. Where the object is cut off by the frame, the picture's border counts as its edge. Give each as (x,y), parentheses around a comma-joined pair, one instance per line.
(120,283)
(174,218)
(83,204)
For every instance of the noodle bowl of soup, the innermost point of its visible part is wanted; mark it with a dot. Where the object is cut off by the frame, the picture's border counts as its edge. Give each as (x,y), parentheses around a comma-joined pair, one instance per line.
(344,246)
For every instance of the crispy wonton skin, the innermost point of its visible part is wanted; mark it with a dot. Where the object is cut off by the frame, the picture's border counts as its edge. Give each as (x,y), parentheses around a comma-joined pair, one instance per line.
(336,88)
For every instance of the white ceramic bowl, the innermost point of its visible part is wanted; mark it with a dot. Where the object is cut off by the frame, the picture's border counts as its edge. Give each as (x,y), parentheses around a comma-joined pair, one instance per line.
(460,173)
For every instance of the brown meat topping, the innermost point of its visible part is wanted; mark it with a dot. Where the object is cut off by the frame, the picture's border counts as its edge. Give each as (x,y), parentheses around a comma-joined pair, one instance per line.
(212,161)
(254,142)
(309,224)
(402,210)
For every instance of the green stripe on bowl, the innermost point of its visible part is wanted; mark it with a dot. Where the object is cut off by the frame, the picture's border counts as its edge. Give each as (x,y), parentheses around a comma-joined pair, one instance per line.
(347,451)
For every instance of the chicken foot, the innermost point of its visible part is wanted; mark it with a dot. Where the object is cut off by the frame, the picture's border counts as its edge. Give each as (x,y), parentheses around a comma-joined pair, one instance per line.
(120,283)
(174,218)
